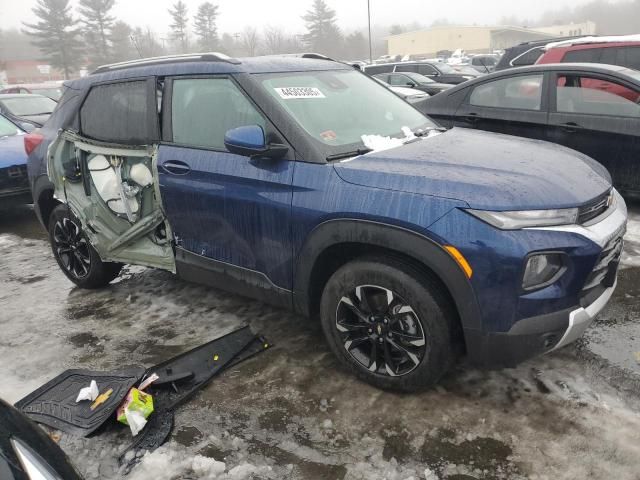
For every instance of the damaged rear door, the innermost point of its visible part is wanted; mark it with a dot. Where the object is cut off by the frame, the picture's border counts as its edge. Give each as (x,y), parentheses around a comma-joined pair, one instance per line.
(107,174)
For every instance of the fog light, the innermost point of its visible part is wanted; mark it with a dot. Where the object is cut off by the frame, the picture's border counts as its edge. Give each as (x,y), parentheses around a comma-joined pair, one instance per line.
(543,269)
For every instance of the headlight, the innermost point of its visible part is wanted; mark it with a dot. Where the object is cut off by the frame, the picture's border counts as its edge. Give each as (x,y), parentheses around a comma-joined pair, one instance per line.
(543,269)
(515,220)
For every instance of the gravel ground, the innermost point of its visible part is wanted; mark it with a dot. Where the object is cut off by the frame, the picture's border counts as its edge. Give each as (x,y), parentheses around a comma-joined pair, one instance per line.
(292,412)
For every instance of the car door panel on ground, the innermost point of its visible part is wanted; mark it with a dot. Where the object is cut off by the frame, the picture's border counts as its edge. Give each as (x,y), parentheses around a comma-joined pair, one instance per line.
(599,117)
(222,206)
(514,106)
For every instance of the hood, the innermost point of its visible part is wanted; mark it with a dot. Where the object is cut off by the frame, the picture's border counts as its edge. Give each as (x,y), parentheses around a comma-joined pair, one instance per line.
(408,92)
(12,151)
(488,171)
(441,86)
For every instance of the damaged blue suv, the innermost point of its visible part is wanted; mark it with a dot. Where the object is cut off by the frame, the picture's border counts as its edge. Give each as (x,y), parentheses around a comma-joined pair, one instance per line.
(301,182)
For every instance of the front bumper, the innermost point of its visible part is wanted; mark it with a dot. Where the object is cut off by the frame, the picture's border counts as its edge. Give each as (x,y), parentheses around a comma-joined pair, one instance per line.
(539,334)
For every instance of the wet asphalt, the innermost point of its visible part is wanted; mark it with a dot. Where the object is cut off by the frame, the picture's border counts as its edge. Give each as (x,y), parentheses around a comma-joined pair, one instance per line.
(293,412)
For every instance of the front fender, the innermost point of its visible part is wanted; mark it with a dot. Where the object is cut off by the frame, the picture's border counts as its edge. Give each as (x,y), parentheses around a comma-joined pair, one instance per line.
(390,237)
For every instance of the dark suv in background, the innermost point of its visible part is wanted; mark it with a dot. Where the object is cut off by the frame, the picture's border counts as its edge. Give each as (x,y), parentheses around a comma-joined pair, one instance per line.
(303,183)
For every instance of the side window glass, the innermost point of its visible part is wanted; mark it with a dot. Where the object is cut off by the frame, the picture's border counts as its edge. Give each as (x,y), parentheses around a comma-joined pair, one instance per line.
(631,57)
(523,93)
(427,70)
(398,80)
(593,96)
(528,58)
(407,68)
(589,55)
(119,113)
(202,110)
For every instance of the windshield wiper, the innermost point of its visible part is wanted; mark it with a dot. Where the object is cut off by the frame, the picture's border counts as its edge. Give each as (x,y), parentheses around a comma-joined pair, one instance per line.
(342,156)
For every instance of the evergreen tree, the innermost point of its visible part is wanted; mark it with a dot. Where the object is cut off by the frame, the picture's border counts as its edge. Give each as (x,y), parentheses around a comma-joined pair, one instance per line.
(179,14)
(323,35)
(356,46)
(98,23)
(122,47)
(204,25)
(56,34)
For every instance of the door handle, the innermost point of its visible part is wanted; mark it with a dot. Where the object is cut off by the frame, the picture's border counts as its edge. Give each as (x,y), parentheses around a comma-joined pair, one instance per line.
(570,127)
(176,167)
(472,118)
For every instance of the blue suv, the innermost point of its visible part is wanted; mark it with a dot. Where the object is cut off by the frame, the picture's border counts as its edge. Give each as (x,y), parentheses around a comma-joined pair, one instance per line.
(303,183)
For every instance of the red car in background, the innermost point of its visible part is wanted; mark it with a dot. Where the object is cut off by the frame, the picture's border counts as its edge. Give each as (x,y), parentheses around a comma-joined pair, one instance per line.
(620,50)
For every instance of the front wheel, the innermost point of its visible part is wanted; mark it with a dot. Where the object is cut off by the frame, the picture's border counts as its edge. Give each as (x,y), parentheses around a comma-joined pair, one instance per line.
(76,257)
(388,323)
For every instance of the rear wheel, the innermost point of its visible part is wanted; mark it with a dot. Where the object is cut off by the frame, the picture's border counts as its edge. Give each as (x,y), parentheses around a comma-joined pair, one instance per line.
(388,323)
(76,257)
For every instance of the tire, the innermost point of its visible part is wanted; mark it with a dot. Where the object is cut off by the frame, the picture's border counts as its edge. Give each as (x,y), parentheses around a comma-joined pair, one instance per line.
(77,259)
(415,332)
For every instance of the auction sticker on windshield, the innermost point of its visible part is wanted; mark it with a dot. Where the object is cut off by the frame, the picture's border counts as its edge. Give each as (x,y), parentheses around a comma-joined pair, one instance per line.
(299,92)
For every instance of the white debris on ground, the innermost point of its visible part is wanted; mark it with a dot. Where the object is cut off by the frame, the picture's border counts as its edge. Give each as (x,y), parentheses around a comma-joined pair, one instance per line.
(292,412)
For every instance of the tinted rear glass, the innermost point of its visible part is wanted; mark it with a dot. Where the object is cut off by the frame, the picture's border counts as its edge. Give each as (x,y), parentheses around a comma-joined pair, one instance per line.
(119,113)
(590,55)
(375,69)
(529,57)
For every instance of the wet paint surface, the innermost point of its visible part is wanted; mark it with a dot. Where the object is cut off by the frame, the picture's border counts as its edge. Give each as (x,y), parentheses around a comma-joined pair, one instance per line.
(292,412)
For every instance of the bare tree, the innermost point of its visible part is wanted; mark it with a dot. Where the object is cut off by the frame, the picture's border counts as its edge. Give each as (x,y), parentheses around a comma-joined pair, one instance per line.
(274,41)
(250,40)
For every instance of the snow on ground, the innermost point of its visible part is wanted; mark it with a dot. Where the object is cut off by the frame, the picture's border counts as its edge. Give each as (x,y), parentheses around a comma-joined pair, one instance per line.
(292,412)
(631,254)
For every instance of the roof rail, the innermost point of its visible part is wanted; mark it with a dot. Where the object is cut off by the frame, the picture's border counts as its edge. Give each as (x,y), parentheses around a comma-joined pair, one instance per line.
(594,39)
(317,56)
(189,57)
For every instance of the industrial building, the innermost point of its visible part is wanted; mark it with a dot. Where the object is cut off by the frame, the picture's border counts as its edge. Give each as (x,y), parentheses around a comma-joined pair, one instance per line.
(475,39)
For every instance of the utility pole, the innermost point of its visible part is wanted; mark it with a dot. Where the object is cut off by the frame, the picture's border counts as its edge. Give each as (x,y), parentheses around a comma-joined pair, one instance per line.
(369,18)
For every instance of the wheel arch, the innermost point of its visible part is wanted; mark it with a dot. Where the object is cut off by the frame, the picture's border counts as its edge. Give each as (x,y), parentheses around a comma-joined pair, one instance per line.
(333,243)
(43,199)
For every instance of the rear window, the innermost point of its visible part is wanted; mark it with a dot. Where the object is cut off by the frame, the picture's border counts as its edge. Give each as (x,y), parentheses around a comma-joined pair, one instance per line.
(122,113)
(530,57)
(375,69)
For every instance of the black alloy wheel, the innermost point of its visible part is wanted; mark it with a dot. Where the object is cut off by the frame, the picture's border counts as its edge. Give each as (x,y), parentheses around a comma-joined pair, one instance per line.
(71,248)
(380,330)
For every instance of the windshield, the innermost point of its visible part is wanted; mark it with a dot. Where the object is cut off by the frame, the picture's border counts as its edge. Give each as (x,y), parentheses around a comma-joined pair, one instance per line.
(7,129)
(25,105)
(53,93)
(444,68)
(416,77)
(336,108)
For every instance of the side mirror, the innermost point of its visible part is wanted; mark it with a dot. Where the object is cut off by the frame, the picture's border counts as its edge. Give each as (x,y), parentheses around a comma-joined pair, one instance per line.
(250,141)
(411,84)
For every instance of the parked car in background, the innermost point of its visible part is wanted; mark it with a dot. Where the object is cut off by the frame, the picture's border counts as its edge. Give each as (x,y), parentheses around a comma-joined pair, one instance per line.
(484,63)
(618,50)
(526,53)
(415,81)
(313,187)
(437,71)
(51,90)
(592,108)
(26,109)
(413,96)
(14,182)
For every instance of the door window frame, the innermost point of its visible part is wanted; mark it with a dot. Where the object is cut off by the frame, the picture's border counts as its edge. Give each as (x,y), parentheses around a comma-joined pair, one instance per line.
(553,92)
(544,94)
(167,113)
(152,107)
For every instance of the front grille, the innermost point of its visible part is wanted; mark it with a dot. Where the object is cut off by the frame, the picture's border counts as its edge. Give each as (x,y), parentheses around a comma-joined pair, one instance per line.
(604,272)
(595,208)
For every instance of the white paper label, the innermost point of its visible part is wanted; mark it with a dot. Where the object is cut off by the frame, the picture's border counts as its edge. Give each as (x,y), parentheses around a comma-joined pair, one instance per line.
(299,92)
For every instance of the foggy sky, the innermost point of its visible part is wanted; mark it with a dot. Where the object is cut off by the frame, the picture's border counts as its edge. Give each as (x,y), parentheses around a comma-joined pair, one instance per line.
(352,14)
